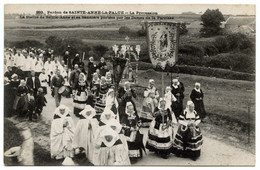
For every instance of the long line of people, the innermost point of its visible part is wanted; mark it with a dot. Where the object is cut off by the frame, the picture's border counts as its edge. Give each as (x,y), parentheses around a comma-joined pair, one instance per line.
(108,128)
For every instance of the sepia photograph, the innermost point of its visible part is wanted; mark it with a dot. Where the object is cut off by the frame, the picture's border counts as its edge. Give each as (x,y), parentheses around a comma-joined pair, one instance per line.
(129,85)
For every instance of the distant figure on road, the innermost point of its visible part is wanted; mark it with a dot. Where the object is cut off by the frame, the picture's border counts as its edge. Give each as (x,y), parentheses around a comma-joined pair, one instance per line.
(197,98)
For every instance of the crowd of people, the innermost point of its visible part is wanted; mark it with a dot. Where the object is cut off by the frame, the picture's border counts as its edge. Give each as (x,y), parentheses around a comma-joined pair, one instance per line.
(108,130)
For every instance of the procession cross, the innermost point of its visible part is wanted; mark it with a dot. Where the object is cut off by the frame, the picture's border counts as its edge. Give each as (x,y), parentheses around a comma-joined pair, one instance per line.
(127,39)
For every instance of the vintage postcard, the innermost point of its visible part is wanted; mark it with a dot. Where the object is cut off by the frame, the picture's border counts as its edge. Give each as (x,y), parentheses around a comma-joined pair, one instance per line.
(129,84)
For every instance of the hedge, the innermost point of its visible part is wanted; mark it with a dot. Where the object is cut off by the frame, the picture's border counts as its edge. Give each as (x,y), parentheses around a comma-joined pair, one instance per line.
(202,71)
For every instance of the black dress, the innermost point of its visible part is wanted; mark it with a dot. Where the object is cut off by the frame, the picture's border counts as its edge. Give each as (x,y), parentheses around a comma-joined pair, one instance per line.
(133,136)
(101,67)
(160,139)
(91,69)
(101,102)
(197,99)
(123,99)
(177,106)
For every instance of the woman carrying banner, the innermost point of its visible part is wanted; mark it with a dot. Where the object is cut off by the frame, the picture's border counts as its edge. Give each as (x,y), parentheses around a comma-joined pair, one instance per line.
(160,131)
(169,97)
(188,140)
(150,102)
(80,94)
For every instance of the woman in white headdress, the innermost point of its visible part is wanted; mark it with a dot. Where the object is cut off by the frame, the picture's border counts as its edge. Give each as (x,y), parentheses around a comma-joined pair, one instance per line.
(111,102)
(62,131)
(160,133)
(111,150)
(103,89)
(177,91)
(109,118)
(109,79)
(169,97)
(197,98)
(132,125)
(150,102)
(91,68)
(188,140)
(84,132)
(95,85)
(125,94)
(80,94)
(38,65)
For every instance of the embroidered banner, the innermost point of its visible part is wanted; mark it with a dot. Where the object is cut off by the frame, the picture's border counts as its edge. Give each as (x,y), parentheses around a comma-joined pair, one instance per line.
(162,40)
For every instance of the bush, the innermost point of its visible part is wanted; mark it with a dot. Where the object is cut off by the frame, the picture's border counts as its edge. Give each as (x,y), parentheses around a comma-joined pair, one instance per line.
(233,61)
(191,49)
(60,45)
(221,61)
(25,44)
(239,41)
(141,33)
(100,50)
(124,30)
(183,29)
(210,49)
(186,59)
(221,44)
(203,71)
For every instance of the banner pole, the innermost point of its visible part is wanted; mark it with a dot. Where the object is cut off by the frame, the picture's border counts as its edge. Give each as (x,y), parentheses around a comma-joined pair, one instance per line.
(162,84)
(163,96)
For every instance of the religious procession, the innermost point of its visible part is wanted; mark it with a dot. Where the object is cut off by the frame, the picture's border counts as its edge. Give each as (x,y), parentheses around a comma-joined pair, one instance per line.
(109,124)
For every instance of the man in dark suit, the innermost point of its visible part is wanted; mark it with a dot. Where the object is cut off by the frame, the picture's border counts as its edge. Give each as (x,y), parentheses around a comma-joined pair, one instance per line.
(74,76)
(33,83)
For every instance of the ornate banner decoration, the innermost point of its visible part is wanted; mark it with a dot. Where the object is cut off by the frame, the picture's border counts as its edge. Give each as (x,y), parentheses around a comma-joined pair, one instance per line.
(162,40)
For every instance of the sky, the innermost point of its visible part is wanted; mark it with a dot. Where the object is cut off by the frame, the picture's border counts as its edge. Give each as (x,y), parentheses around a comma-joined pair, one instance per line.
(161,9)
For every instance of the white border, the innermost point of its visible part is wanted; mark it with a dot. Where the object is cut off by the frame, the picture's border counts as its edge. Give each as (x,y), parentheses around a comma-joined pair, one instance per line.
(2,2)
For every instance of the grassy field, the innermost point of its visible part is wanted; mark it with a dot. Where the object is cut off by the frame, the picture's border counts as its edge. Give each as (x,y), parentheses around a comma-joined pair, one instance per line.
(42,35)
(56,23)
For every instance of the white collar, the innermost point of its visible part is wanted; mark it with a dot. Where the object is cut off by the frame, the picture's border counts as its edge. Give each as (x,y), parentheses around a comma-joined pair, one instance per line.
(198,90)
(175,86)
